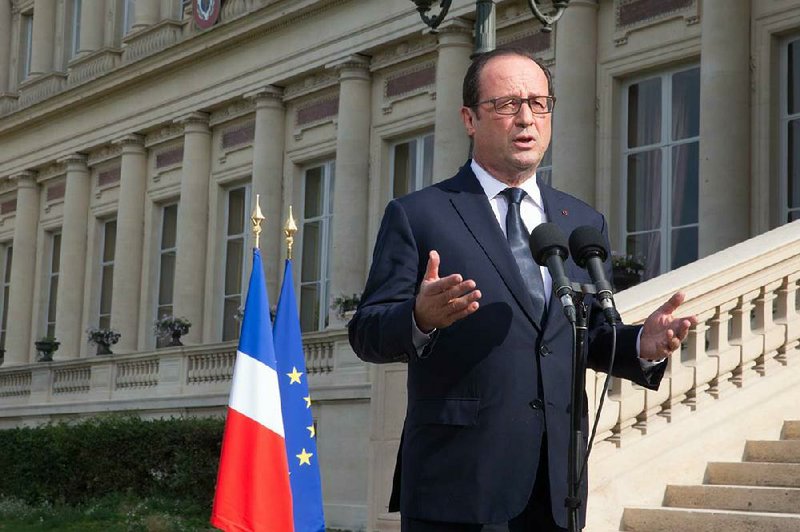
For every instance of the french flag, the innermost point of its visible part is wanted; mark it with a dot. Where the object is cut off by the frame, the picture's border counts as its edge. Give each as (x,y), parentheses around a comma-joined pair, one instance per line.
(253,492)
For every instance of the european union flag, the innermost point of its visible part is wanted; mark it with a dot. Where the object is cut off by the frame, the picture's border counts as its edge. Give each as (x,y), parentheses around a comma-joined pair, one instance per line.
(301,442)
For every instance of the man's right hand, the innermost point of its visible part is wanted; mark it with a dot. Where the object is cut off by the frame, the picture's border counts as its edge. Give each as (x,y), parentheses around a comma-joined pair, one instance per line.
(443,301)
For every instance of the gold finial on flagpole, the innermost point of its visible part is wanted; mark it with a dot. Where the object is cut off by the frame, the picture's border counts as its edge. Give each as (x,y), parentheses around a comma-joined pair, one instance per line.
(257,217)
(289,229)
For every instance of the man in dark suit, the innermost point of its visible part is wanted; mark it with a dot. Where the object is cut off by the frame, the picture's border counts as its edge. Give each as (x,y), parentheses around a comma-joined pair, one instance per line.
(485,440)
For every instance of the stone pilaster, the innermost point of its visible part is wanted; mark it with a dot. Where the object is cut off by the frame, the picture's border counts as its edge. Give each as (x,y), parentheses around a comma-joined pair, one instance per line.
(44,21)
(5,45)
(127,282)
(92,24)
(349,247)
(19,340)
(724,124)
(451,143)
(190,262)
(69,305)
(574,115)
(145,13)
(268,145)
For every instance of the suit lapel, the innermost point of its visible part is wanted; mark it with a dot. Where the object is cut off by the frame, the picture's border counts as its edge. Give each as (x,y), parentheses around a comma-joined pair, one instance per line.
(473,207)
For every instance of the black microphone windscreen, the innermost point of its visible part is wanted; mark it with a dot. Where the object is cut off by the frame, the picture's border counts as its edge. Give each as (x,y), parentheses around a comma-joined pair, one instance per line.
(586,241)
(546,239)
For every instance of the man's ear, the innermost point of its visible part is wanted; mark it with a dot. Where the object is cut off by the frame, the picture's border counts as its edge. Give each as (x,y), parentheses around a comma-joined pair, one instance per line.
(468,116)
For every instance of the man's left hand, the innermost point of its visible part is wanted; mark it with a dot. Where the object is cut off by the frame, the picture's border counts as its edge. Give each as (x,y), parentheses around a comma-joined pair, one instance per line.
(662,332)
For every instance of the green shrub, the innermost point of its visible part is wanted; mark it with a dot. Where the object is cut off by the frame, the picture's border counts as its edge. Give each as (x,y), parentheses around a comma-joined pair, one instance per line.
(73,463)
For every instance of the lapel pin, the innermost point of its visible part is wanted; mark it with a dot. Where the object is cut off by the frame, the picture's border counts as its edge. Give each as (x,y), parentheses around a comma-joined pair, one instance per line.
(564,212)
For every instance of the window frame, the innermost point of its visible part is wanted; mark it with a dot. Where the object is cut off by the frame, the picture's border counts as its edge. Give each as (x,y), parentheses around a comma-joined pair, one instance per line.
(419,160)
(103,264)
(160,251)
(784,119)
(51,275)
(323,299)
(5,271)
(225,239)
(665,146)
(25,45)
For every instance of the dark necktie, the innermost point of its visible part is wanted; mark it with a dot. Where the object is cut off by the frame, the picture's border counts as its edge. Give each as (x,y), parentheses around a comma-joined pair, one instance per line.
(518,240)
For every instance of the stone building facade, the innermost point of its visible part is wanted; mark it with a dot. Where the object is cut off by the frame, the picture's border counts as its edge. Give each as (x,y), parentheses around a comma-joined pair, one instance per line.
(133,144)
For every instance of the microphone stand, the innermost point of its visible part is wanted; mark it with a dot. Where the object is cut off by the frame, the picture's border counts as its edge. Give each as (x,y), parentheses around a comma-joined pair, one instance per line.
(576,450)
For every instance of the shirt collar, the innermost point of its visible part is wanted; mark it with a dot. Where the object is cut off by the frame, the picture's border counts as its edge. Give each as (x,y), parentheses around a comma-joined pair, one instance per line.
(492,186)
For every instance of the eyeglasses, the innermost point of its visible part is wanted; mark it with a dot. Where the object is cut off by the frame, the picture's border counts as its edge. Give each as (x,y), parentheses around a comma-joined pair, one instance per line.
(510,105)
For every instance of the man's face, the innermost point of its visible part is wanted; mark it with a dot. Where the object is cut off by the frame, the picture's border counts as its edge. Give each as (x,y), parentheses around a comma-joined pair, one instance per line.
(510,147)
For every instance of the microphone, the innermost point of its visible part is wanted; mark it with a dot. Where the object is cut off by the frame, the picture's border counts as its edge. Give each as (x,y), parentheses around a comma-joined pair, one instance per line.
(549,248)
(589,251)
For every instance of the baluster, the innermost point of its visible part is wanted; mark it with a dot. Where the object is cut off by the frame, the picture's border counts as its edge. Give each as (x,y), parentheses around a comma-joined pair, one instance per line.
(719,346)
(631,406)
(789,317)
(751,344)
(774,334)
(705,367)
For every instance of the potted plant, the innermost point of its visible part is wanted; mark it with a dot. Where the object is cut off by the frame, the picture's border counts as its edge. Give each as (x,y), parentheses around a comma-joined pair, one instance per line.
(627,270)
(172,328)
(103,339)
(345,305)
(46,346)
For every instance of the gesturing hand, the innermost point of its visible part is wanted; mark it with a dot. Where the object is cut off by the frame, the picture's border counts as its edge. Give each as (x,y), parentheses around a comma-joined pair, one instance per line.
(442,301)
(662,333)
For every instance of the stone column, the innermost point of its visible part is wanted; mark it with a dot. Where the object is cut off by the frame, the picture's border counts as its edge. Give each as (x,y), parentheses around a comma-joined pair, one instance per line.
(19,341)
(171,10)
(451,143)
(128,251)
(5,44)
(724,124)
(268,178)
(69,306)
(190,262)
(44,20)
(574,116)
(145,13)
(349,247)
(92,24)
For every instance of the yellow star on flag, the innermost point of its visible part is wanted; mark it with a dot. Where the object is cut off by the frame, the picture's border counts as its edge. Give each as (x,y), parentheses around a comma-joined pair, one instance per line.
(294,376)
(312,430)
(308,401)
(305,457)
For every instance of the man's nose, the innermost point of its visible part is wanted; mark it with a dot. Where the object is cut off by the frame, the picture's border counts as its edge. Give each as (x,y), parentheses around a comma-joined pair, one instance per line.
(524,117)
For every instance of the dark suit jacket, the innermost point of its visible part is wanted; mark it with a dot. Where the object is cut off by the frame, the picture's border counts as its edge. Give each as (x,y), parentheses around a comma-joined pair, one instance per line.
(484,391)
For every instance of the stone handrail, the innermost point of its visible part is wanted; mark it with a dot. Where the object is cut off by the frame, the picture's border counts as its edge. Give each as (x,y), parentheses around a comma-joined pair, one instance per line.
(746,300)
(172,374)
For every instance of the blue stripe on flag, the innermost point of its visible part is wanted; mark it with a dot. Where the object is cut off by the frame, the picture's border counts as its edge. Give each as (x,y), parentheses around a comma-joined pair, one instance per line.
(301,444)
(256,336)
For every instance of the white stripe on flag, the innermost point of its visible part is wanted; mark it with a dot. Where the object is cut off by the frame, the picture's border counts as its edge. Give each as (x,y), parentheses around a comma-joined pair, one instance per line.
(255,392)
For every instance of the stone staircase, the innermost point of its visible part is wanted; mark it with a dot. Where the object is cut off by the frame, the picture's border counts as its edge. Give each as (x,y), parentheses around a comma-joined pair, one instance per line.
(761,493)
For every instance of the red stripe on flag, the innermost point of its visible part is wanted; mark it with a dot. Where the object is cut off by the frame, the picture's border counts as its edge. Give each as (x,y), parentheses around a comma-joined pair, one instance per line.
(253,492)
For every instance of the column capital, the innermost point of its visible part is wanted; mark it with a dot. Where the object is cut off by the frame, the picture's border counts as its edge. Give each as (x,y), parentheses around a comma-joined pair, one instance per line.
(132,142)
(455,32)
(75,161)
(24,179)
(354,66)
(267,96)
(196,121)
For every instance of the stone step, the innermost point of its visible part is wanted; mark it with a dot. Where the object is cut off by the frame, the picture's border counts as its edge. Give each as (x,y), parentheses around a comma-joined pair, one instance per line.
(743,498)
(681,519)
(753,474)
(791,430)
(785,451)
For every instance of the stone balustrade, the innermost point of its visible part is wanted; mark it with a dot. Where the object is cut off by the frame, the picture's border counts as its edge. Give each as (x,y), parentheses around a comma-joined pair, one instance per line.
(746,301)
(181,378)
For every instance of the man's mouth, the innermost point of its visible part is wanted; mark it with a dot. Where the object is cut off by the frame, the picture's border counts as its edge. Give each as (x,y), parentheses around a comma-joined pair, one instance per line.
(524,141)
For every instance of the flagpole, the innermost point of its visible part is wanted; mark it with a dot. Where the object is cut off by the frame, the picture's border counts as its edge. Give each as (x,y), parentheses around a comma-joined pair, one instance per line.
(256,218)
(289,229)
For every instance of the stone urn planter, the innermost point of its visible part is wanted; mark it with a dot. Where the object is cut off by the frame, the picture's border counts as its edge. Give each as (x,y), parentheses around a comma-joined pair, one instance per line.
(171,328)
(103,339)
(46,347)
